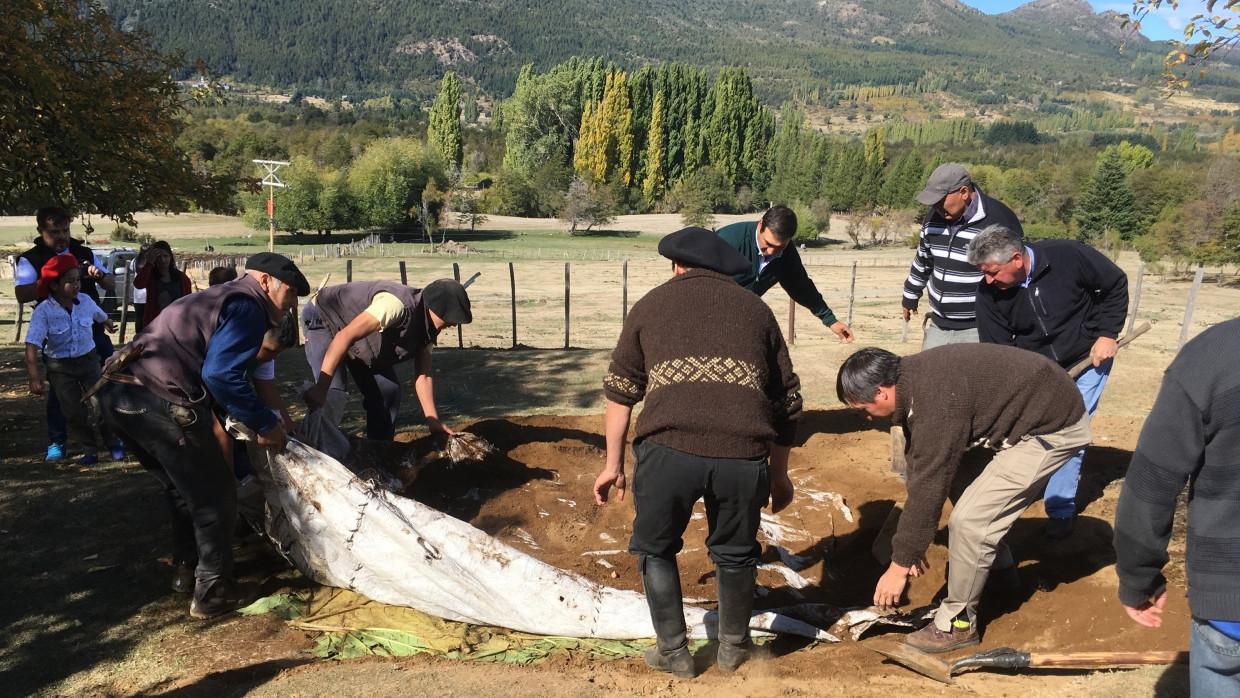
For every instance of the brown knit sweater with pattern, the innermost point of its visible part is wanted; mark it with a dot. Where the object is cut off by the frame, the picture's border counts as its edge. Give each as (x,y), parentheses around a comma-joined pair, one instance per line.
(710,362)
(953,397)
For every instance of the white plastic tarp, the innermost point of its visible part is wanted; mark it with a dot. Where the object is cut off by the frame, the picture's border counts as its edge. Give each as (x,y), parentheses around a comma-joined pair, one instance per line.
(339,531)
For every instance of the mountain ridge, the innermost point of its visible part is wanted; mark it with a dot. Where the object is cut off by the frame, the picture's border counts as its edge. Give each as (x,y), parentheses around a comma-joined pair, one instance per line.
(334,46)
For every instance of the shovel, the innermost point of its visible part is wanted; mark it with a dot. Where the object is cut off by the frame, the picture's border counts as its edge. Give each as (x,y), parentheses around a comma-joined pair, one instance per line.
(1008,658)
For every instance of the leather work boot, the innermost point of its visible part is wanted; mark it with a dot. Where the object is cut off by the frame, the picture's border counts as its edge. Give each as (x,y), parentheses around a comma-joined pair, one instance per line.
(223,597)
(183,578)
(934,641)
(661,580)
(734,586)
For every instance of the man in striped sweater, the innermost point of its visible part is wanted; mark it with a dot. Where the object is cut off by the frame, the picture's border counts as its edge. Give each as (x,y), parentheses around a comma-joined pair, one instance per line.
(958,212)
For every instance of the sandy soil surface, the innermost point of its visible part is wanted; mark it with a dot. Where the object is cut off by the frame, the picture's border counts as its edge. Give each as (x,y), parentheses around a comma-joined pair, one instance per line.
(88,611)
(88,583)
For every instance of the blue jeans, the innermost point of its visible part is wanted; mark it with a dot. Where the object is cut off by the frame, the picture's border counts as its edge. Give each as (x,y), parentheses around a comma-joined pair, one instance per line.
(1213,662)
(1061,490)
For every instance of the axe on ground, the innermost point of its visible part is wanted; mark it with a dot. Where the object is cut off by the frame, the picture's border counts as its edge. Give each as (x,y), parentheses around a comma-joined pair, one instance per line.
(1008,658)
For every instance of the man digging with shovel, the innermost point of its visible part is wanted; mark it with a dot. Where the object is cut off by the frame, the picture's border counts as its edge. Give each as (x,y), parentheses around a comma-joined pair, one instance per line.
(1013,401)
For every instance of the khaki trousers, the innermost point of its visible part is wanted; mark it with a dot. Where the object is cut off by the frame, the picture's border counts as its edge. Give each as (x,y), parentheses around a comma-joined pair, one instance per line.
(988,508)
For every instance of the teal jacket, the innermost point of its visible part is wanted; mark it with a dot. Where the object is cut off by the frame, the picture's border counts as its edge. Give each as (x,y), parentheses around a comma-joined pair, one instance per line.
(786,270)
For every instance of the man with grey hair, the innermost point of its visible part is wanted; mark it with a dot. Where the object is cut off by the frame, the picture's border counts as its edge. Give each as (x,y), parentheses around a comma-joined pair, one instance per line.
(1014,402)
(958,211)
(1064,300)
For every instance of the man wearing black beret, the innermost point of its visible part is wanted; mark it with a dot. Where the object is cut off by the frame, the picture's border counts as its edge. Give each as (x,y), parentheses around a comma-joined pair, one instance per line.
(721,398)
(369,327)
(193,355)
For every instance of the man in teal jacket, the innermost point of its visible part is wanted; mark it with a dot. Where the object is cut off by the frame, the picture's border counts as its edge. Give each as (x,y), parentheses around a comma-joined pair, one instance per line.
(767,244)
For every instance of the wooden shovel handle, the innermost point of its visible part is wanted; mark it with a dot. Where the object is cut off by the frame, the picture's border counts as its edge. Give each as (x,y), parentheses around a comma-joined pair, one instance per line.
(1088,361)
(1106,659)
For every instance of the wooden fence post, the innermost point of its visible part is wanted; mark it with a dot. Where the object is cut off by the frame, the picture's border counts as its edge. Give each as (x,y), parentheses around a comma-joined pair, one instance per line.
(456,274)
(348,270)
(792,321)
(404,276)
(566,303)
(124,305)
(1136,298)
(852,292)
(1192,302)
(624,292)
(21,311)
(512,285)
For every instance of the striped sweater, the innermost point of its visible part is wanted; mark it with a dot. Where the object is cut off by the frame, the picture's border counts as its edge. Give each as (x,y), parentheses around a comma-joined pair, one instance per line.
(1191,436)
(942,265)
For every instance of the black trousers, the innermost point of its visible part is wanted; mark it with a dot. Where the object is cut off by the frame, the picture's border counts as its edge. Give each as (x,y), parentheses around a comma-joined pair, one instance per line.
(177,445)
(666,485)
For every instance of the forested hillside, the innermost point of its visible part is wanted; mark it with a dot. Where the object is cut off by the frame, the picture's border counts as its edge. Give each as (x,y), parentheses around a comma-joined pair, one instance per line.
(368,47)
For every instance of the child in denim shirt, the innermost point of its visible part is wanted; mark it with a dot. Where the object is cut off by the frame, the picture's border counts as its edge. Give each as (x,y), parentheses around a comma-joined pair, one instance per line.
(63,325)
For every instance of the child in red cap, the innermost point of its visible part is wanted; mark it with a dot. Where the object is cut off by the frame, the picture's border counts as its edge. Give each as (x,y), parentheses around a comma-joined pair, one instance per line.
(63,325)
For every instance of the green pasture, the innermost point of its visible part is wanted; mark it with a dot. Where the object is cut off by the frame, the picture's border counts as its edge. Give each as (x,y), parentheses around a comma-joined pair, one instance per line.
(191,233)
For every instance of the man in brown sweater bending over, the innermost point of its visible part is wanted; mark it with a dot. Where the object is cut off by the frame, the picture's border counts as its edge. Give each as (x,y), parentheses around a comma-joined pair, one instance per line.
(710,362)
(1013,401)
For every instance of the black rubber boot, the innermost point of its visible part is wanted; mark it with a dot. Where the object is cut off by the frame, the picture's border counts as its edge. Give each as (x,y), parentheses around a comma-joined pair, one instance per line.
(661,579)
(734,585)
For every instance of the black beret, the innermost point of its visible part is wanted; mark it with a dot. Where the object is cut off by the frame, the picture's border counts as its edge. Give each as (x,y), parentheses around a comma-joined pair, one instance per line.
(447,299)
(280,267)
(699,247)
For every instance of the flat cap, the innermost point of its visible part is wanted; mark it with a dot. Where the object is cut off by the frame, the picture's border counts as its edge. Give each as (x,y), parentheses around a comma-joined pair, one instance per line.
(945,179)
(699,247)
(447,299)
(280,267)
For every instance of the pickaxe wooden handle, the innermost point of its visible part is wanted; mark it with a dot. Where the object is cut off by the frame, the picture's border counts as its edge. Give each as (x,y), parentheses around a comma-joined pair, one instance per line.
(1084,364)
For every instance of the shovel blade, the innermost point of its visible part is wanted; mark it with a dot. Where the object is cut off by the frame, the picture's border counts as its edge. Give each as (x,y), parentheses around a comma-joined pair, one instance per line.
(914,659)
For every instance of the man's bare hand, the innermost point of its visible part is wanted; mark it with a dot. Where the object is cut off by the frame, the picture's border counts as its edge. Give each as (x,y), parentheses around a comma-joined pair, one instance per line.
(890,587)
(782,490)
(438,427)
(1149,613)
(609,478)
(844,332)
(1103,350)
(273,437)
(908,314)
(37,386)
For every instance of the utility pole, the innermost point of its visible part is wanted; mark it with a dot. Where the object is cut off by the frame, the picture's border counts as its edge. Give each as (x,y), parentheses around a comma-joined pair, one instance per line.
(271,181)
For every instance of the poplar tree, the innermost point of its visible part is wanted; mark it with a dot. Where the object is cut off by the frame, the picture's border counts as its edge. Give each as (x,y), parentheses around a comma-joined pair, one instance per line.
(875,154)
(655,182)
(605,144)
(730,108)
(444,128)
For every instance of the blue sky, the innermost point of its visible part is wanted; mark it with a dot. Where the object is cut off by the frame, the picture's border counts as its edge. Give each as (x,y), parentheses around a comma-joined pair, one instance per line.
(1165,23)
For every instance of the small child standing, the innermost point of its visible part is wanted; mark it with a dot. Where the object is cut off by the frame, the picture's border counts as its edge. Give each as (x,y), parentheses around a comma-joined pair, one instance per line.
(63,325)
